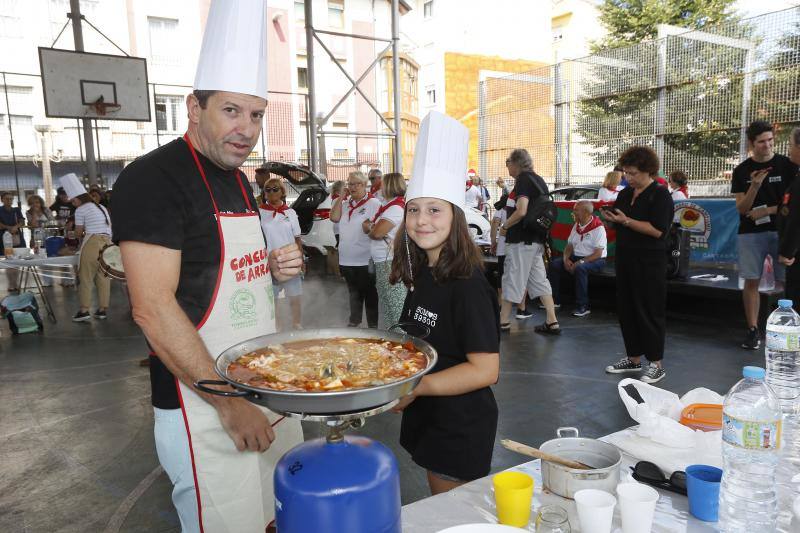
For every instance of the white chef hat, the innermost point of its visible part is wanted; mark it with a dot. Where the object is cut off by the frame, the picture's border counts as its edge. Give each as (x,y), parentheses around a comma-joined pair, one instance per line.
(233,57)
(440,160)
(72,185)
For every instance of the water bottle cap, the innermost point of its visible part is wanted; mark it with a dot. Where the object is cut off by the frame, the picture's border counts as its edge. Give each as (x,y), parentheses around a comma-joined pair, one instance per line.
(784,303)
(753,372)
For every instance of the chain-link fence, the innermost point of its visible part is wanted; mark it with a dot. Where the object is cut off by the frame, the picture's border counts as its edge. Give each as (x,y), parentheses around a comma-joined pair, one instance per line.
(55,146)
(688,94)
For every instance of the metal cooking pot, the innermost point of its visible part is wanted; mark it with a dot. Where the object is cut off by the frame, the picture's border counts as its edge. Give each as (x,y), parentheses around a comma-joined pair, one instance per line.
(564,481)
(318,403)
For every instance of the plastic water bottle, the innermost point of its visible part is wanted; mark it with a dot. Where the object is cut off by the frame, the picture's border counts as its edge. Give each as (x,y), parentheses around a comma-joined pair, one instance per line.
(783,376)
(8,244)
(751,429)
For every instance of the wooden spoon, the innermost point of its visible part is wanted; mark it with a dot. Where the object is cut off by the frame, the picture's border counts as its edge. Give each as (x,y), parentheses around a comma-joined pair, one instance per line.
(534,452)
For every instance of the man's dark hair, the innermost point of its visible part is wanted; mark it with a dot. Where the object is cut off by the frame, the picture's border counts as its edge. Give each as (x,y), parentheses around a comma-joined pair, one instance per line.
(202,97)
(642,157)
(756,128)
(6,193)
(375,173)
(61,190)
(679,177)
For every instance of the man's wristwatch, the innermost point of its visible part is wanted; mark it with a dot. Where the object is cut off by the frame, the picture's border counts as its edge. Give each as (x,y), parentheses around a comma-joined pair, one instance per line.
(581,261)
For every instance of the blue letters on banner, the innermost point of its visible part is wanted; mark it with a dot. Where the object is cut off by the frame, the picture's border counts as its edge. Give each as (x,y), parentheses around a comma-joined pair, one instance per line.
(713,224)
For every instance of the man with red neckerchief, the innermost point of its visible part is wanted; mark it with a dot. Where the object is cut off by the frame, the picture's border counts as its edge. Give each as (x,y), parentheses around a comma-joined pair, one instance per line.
(351,210)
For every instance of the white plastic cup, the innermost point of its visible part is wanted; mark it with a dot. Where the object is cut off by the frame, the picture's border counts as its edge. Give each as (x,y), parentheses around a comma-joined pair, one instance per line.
(595,510)
(637,505)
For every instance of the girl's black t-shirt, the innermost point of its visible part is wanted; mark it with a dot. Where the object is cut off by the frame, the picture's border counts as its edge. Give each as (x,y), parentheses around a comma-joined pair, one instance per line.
(453,435)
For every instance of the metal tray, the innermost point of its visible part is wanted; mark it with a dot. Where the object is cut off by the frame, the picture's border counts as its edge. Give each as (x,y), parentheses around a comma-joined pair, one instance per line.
(318,403)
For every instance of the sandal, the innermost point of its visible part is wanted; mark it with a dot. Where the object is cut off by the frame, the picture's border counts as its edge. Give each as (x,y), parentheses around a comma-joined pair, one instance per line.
(548,329)
(505,327)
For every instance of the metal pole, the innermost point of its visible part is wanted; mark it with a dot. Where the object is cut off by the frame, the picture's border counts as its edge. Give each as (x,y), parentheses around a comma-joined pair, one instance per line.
(11,138)
(661,86)
(47,173)
(312,104)
(158,136)
(747,93)
(77,34)
(397,159)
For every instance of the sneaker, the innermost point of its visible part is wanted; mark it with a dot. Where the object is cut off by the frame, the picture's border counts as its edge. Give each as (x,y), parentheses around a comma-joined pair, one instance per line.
(505,327)
(753,340)
(100,315)
(555,305)
(653,374)
(622,366)
(523,314)
(581,311)
(81,316)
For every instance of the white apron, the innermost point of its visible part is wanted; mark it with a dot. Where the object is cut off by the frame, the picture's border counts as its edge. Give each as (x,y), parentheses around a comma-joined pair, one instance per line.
(235,489)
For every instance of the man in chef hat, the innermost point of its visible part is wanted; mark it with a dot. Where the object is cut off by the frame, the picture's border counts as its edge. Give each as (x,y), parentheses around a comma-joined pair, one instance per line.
(450,419)
(194,258)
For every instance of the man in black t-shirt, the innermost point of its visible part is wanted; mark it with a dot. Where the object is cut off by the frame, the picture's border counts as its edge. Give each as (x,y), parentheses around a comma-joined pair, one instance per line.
(524,265)
(758,185)
(65,211)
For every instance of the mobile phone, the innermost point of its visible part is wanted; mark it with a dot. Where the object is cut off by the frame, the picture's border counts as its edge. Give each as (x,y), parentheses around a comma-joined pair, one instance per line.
(607,208)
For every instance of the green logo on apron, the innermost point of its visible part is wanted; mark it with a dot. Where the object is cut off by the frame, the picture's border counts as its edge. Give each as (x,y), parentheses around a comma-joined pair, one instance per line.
(242,306)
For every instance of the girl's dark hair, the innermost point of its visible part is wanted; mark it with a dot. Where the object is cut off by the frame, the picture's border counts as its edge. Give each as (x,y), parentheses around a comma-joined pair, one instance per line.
(458,259)
(642,157)
(679,177)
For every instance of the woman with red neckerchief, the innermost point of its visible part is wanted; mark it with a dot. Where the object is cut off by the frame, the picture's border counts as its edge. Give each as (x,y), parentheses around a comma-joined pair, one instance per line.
(381,229)
(350,210)
(281,227)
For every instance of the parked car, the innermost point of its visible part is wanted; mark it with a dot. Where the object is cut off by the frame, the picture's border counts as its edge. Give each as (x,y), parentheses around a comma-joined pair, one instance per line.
(575,192)
(307,193)
(478,225)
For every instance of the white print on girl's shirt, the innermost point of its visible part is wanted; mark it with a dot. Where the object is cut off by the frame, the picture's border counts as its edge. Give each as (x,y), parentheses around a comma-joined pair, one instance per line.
(426,317)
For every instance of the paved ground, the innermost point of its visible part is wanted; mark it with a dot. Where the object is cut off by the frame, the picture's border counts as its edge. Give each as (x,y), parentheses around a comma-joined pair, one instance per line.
(76,447)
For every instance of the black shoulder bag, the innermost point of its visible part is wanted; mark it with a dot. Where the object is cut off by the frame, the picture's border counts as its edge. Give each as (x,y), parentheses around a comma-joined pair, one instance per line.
(542,211)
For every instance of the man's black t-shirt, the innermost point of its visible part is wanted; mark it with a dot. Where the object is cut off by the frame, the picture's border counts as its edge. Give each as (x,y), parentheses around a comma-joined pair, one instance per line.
(161,199)
(64,210)
(453,435)
(771,191)
(653,205)
(524,186)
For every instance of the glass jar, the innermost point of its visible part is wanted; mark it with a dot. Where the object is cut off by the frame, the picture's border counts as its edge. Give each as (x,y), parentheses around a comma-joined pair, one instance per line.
(552,519)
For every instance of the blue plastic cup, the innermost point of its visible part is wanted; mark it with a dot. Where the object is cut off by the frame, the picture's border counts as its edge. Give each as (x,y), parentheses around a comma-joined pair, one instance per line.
(702,486)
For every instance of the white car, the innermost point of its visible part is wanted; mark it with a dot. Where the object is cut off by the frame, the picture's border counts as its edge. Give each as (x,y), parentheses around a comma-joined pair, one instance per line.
(478,225)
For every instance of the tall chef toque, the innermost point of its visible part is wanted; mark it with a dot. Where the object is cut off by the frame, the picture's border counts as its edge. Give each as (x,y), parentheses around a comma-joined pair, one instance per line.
(72,185)
(440,160)
(233,57)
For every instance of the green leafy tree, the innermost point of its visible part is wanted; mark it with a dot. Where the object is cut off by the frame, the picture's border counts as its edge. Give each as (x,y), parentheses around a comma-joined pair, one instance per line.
(618,105)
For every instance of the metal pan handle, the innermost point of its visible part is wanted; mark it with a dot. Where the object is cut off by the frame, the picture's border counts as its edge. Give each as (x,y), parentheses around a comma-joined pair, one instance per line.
(560,432)
(426,330)
(202,386)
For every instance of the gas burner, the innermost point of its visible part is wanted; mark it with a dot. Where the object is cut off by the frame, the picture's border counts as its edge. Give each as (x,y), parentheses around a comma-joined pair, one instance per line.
(338,423)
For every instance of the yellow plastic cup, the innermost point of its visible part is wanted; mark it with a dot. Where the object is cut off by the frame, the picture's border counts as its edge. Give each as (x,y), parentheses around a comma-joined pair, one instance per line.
(513,492)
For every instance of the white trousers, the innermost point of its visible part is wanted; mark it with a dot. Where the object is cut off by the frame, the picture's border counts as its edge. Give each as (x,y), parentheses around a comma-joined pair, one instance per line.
(172,446)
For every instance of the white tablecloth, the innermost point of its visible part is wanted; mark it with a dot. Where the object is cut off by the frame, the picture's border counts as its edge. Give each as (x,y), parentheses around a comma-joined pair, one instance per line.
(474,503)
(37,261)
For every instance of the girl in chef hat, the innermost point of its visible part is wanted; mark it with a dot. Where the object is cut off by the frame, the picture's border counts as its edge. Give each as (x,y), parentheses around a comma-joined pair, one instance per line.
(450,419)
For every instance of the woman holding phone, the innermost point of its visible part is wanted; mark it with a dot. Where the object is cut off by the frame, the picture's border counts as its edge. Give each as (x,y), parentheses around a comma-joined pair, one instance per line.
(642,214)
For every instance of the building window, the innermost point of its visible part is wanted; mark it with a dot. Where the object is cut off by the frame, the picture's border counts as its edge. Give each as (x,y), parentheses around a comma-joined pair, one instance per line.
(300,11)
(17,120)
(336,13)
(168,117)
(341,153)
(163,39)
(430,94)
(302,78)
(427,9)
(11,26)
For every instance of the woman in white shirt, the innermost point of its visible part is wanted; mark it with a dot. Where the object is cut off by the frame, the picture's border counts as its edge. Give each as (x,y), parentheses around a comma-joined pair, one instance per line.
(93,227)
(351,210)
(381,229)
(281,227)
(679,185)
(611,187)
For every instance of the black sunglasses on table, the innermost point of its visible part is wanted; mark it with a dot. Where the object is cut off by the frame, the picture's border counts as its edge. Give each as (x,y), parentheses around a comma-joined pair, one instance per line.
(651,474)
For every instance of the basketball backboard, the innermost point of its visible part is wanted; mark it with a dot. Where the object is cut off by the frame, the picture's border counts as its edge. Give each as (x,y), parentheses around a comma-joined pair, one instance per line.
(98,86)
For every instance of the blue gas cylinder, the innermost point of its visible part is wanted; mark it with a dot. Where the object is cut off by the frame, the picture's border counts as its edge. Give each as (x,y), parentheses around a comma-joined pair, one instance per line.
(349,486)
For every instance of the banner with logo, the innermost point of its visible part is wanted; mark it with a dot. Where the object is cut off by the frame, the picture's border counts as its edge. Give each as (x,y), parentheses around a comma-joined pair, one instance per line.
(713,224)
